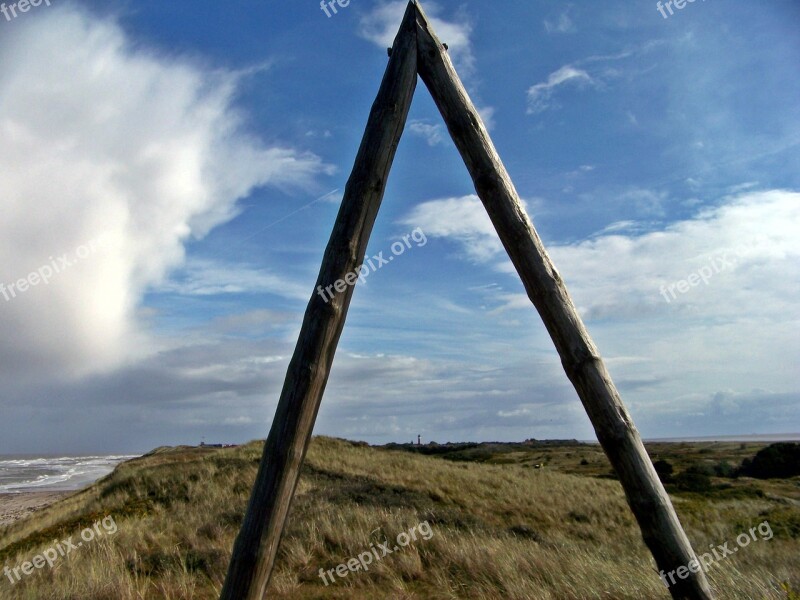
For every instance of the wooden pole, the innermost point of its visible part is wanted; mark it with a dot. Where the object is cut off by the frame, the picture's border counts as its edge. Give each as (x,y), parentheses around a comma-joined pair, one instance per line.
(257,543)
(580,358)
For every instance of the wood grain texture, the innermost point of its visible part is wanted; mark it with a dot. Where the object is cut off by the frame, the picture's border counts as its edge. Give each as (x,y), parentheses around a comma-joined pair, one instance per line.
(257,543)
(580,358)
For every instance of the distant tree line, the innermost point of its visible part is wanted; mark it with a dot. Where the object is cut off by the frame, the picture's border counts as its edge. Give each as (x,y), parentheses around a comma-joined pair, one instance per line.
(776,461)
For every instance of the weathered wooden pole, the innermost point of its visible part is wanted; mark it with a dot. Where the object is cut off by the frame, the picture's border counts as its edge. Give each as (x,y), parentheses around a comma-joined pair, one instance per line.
(615,430)
(257,544)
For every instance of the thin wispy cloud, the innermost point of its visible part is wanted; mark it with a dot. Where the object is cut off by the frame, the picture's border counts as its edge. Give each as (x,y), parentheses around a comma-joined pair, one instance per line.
(432,134)
(540,95)
(560,23)
(199,277)
(592,71)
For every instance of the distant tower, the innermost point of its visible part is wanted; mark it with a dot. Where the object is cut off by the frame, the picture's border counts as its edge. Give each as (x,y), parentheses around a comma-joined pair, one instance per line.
(419,440)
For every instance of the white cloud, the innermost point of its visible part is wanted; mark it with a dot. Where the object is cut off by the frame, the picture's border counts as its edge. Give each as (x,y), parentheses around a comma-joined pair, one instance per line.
(380,27)
(436,134)
(462,219)
(735,333)
(102,137)
(540,95)
(487,116)
(433,134)
(622,275)
(645,202)
(590,71)
(748,240)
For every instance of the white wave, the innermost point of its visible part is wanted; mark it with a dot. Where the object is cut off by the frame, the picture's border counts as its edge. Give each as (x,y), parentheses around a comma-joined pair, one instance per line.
(55,473)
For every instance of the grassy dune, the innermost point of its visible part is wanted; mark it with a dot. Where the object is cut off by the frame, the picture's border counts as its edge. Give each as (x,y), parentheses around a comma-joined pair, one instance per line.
(498,530)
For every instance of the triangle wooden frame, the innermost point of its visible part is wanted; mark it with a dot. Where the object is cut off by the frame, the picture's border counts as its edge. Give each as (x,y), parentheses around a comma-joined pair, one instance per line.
(417,51)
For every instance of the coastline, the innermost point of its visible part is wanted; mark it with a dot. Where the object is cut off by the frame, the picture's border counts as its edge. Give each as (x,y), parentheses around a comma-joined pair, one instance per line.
(14,507)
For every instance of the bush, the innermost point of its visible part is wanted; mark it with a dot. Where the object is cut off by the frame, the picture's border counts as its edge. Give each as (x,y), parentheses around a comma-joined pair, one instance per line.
(664,470)
(776,461)
(694,479)
(724,469)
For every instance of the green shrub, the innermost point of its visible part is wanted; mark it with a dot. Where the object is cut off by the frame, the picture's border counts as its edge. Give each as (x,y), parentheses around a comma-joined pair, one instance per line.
(776,461)
(724,469)
(694,479)
(664,470)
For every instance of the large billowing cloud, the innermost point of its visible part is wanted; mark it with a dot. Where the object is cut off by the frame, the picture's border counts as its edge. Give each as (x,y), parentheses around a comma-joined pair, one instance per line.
(698,318)
(102,141)
(736,259)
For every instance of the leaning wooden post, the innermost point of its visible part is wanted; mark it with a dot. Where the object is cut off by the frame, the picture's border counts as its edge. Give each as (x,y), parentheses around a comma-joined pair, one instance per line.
(616,432)
(257,544)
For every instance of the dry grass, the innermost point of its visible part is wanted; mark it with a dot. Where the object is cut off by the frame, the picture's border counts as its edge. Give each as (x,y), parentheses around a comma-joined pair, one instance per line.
(499,531)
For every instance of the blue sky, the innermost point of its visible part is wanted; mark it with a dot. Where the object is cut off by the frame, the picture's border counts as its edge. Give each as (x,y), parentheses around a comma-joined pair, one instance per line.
(207,146)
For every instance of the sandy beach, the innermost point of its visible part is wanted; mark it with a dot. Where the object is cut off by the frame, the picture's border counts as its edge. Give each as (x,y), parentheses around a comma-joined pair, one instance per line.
(18,506)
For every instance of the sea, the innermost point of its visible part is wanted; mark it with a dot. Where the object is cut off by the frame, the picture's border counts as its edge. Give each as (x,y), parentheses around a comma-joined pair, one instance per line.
(30,473)
(753,437)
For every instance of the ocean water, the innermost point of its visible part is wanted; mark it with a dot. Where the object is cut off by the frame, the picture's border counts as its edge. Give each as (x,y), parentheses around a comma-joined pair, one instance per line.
(753,437)
(25,473)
